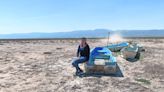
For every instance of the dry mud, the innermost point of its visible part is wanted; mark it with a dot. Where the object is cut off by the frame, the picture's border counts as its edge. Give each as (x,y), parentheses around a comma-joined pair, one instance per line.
(45,66)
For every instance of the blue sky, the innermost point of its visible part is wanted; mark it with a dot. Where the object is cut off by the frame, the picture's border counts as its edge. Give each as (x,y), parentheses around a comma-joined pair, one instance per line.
(25,16)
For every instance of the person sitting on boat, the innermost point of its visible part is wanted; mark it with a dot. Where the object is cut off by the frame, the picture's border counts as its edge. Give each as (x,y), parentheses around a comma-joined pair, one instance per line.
(83,53)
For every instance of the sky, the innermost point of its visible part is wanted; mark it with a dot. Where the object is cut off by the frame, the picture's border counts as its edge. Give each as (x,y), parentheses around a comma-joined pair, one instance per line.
(26,16)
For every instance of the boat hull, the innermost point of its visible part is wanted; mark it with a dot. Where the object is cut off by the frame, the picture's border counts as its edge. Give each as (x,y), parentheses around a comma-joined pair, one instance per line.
(129,52)
(101,61)
(101,69)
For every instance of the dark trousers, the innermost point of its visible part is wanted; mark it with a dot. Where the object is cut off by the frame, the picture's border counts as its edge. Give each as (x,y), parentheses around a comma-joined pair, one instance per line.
(78,61)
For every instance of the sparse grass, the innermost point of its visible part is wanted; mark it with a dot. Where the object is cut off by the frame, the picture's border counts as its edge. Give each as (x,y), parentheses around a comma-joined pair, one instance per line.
(143,81)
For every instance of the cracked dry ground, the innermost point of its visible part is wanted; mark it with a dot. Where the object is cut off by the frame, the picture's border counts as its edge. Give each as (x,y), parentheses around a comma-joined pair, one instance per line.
(45,66)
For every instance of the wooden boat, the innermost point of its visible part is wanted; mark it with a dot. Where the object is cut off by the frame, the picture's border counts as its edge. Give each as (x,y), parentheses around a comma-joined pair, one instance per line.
(101,61)
(130,52)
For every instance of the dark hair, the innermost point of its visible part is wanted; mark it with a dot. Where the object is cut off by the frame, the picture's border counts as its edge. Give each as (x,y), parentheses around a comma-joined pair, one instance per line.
(83,38)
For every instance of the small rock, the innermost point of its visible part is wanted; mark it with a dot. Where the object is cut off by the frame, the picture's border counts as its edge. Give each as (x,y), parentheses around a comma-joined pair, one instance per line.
(47,53)
(59,48)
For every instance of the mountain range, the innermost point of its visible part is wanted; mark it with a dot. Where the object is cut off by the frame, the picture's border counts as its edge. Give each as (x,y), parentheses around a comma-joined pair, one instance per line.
(97,33)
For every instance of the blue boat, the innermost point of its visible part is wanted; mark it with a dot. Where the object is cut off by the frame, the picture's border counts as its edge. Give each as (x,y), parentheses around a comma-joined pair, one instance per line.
(117,47)
(101,61)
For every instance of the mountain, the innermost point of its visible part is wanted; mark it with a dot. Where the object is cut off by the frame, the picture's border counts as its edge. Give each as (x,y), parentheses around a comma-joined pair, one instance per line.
(97,33)
(74,34)
(141,33)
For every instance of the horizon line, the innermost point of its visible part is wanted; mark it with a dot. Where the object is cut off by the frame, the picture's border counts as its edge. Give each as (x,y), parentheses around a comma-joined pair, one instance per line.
(82,30)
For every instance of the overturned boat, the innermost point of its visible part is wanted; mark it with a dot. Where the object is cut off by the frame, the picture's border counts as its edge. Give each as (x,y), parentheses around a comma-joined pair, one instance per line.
(117,47)
(130,52)
(101,61)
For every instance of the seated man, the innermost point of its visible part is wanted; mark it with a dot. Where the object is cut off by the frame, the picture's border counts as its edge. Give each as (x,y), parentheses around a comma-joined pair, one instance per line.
(84,51)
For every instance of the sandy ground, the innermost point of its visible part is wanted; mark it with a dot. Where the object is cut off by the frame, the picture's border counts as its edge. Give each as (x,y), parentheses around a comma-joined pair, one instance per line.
(45,66)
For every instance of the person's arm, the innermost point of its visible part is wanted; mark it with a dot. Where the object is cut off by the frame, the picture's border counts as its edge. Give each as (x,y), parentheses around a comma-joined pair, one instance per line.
(88,50)
(78,51)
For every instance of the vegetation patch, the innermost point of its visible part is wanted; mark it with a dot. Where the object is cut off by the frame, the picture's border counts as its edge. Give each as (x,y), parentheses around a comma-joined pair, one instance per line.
(143,81)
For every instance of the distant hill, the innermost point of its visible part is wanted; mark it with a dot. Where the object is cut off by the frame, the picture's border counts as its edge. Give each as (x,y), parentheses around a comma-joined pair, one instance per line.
(73,34)
(141,33)
(97,33)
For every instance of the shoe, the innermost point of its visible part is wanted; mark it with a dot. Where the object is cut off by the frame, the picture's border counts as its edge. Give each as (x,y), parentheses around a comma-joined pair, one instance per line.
(79,72)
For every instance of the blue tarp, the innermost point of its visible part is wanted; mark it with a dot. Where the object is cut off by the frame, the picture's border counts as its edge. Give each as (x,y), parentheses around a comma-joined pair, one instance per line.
(101,53)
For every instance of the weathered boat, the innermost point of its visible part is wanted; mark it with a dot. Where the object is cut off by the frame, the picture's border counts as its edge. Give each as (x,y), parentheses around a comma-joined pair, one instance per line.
(101,61)
(130,52)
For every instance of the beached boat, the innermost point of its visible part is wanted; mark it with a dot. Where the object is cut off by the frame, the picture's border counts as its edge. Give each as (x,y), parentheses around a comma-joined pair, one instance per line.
(130,52)
(117,47)
(101,61)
